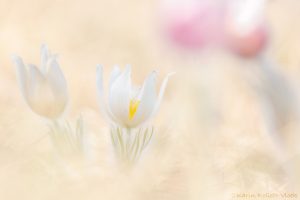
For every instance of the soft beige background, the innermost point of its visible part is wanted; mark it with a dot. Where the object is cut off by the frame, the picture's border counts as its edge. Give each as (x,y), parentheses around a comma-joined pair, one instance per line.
(211,140)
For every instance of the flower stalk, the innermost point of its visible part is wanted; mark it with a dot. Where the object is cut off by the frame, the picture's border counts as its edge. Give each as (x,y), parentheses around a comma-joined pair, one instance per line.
(129,143)
(67,140)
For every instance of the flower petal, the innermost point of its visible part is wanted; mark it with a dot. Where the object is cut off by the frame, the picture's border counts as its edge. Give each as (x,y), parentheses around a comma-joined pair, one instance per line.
(42,98)
(247,14)
(22,76)
(57,81)
(161,93)
(103,107)
(116,72)
(36,81)
(119,96)
(44,58)
(147,98)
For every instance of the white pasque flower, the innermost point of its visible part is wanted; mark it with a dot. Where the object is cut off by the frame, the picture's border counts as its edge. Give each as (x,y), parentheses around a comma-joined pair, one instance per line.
(129,106)
(45,89)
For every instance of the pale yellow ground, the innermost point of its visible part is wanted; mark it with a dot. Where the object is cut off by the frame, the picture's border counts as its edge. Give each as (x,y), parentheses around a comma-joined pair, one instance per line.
(211,141)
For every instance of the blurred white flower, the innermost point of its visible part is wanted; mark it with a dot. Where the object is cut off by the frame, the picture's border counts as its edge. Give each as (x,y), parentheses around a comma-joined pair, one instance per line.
(129,106)
(45,89)
(247,14)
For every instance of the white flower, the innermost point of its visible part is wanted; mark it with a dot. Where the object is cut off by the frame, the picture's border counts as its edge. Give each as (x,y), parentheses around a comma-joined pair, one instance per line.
(129,106)
(45,89)
(246,15)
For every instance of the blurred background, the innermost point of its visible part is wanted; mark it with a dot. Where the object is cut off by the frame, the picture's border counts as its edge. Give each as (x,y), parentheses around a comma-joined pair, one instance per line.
(228,124)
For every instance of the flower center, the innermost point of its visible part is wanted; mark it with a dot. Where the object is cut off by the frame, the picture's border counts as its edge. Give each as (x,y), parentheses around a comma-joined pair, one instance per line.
(133,106)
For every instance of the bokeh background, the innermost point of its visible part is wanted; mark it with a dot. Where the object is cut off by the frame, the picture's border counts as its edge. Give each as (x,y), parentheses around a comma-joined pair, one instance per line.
(212,139)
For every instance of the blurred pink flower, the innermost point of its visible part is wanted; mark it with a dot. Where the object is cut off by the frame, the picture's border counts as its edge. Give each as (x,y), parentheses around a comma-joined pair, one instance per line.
(237,25)
(193,24)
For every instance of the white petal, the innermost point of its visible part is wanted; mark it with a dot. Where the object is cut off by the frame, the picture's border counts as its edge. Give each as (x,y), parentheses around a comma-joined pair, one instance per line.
(57,81)
(161,93)
(36,81)
(100,89)
(45,98)
(147,98)
(135,92)
(119,96)
(21,74)
(247,14)
(116,72)
(44,58)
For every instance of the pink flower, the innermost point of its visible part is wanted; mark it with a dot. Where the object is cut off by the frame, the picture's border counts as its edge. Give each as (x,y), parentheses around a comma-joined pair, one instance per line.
(193,24)
(237,25)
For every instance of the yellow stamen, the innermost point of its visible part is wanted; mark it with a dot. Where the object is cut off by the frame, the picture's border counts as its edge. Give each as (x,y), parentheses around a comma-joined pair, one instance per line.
(133,106)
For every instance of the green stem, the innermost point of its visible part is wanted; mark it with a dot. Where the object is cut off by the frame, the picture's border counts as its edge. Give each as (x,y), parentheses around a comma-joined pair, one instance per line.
(130,143)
